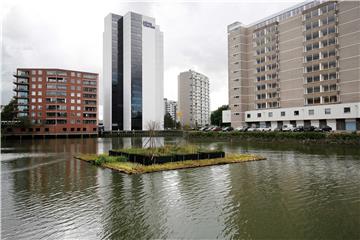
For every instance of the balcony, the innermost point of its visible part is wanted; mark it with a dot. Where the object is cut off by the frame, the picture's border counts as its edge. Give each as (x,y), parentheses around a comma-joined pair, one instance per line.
(22,96)
(21,75)
(20,82)
(16,89)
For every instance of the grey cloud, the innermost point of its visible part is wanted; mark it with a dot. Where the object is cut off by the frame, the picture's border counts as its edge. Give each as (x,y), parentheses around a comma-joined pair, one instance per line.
(194,37)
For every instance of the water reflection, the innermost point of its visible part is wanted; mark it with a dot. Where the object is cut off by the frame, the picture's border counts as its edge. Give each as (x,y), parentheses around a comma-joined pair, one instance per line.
(299,192)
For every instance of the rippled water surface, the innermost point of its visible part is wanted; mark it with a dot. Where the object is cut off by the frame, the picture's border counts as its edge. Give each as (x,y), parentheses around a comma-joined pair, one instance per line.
(301,191)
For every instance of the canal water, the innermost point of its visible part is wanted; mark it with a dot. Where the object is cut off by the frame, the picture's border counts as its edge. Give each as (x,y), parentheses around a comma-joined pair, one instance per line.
(299,192)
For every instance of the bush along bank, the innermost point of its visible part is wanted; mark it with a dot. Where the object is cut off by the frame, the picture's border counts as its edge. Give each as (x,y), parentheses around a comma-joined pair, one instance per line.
(321,137)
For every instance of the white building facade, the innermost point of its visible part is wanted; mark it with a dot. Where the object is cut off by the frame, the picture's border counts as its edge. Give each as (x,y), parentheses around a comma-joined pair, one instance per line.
(193,99)
(133,70)
(170,107)
(337,116)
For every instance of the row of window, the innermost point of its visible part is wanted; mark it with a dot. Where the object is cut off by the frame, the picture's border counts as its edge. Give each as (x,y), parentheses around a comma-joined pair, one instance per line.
(322,33)
(320,22)
(267,58)
(320,11)
(267,95)
(267,105)
(322,88)
(64,80)
(311,112)
(265,31)
(321,66)
(260,87)
(266,40)
(47,129)
(317,45)
(64,121)
(321,77)
(321,55)
(266,49)
(321,100)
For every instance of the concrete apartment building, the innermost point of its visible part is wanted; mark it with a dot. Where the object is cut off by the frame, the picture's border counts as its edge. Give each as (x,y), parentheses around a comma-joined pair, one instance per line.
(133,72)
(170,107)
(56,101)
(300,66)
(193,99)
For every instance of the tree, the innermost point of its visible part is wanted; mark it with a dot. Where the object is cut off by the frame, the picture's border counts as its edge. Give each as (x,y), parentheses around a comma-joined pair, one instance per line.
(169,122)
(8,113)
(216,116)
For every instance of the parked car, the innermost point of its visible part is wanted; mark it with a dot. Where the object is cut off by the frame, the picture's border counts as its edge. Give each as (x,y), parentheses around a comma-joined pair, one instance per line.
(265,129)
(326,128)
(317,129)
(251,129)
(309,128)
(242,129)
(299,129)
(227,129)
(287,128)
(216,129)
(202,128)
(209,128)
(277,129)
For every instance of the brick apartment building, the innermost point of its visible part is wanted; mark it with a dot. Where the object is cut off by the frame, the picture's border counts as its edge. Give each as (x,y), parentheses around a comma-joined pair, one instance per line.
(56,101)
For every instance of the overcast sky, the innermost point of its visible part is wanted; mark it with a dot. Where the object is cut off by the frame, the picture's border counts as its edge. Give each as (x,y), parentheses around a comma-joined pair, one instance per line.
(68,34)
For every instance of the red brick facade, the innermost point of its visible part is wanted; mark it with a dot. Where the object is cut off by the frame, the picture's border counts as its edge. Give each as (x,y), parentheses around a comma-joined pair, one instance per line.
(57,101)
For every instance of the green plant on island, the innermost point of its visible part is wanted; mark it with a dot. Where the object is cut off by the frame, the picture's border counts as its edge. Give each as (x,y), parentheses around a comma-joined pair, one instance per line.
(102,159)
(165,150)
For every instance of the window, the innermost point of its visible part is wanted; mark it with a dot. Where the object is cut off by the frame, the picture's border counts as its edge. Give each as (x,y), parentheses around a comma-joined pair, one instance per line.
(39,100)
(347,110)
(296,113)
(248,115)
(311,111)
(270,114)
(72,107)
(327,111)
(282,114)
(33,93)
(259,115)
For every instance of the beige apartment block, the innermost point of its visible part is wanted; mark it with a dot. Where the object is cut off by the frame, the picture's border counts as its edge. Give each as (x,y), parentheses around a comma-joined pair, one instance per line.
(193,99)
(303,57)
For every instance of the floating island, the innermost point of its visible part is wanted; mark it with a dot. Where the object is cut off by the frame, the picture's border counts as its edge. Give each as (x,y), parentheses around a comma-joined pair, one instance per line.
(169,157)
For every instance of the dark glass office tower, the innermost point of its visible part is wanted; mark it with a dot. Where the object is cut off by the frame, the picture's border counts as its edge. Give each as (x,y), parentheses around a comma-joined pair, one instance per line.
(117,72)
(136,71)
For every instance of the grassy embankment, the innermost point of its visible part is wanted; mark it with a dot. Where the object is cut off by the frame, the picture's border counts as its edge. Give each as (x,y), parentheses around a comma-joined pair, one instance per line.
(121,164)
